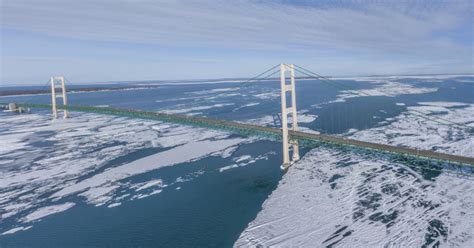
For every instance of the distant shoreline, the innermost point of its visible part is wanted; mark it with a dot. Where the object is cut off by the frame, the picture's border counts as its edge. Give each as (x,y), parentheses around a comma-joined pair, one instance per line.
(88,89)
(230,80)
(144,85)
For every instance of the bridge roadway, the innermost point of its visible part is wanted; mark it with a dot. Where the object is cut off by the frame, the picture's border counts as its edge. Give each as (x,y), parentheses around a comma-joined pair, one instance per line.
(305,139)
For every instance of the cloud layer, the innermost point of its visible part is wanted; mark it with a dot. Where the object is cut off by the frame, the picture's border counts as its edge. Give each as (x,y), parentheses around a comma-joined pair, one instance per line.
(413,32)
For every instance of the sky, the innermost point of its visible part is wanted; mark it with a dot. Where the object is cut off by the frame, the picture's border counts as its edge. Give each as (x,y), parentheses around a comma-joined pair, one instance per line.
(133,40)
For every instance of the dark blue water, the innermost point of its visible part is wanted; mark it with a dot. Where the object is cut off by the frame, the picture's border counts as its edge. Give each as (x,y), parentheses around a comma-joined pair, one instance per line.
(209,211)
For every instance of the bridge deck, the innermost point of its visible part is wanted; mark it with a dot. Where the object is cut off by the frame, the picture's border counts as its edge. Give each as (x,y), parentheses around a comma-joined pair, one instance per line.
(275,133)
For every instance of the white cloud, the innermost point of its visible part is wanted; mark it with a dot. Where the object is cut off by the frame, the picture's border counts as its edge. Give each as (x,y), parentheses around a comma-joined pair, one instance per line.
(343,39)
(245,24)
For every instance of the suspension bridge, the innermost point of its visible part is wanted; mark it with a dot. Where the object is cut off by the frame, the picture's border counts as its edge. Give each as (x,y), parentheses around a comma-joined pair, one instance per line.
(290,136)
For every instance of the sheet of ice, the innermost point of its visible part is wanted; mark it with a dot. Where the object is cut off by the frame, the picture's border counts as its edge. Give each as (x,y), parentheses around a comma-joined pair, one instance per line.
(413,131)
(251,104)
(382,86)
(245,160)
(440,76)
(217,90)
(246,106)
(41,157)
(266,120)
(201,96)
(113,205)
(16,229)
(101,184)
(268,95)
(445,104)
(308,130)
(304,118)
(141,196)
(49,210)
(197,108)
(331,198)
(386,88)
(96,194)
(149,184)
(269,120)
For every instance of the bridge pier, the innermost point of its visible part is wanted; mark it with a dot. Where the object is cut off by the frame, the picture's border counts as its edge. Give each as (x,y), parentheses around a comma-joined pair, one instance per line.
(286,139)
(55,81)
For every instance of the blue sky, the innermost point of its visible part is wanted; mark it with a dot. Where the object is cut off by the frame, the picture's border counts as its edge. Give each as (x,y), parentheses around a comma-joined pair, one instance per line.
(121,40)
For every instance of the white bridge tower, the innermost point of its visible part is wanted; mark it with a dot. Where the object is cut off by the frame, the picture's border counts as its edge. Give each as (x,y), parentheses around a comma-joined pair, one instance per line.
(287,142)
(58,81)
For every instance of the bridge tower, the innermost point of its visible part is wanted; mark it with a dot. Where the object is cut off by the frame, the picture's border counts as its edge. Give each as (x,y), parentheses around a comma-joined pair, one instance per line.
(58,81)
(287,141)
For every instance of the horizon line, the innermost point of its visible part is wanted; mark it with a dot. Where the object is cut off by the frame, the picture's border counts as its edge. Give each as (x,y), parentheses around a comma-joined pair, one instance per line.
(232,78)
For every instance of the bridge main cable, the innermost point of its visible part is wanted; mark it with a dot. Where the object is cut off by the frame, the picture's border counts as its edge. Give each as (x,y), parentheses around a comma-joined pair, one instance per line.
(259,77)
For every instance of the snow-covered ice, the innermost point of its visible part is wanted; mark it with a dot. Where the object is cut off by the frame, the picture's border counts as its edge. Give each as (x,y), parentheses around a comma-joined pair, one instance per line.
(410,130)
(245,160)
(16,229)
(197,108)
(385,87)
(330,197)
(334,198)
(45,211)
(327,198)
(55,158)
(102,184)
(270,120)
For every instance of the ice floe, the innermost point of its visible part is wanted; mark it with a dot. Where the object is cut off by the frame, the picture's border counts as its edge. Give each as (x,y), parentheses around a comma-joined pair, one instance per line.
(251,104)
(246,106)
(386,88)
(304,118)
(412,130)
(149,184)
(101,184)
(268,95)
(113,205)
(16,229)
(274,120)
(44,161)
(398,77)
(330,197)
(245,160)
(45,211)
(197,108)
(217,90)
